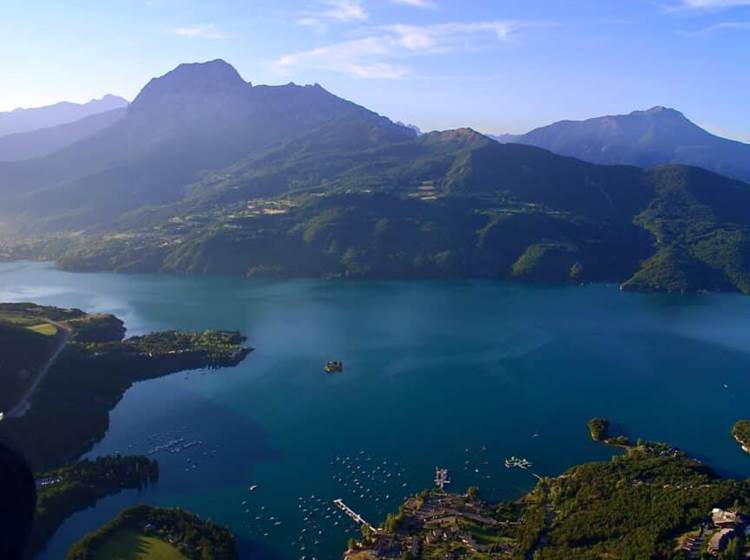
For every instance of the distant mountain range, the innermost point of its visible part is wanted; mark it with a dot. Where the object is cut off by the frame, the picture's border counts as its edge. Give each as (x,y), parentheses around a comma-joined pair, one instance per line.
(644,138)
(44,141)
(194,120)
(207,173)
(26,120)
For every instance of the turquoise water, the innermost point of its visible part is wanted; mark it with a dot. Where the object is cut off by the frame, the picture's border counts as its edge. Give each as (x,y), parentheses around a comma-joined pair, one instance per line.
(459,374)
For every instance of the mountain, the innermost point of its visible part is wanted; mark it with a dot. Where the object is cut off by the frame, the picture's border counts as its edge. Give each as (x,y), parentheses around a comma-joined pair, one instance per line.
(207,173)
(28,145)
(643,138)
(26,120)
(445,204)
(196,119)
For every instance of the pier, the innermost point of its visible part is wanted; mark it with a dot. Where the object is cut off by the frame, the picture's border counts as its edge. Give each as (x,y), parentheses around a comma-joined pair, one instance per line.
(441,478)
(353,514)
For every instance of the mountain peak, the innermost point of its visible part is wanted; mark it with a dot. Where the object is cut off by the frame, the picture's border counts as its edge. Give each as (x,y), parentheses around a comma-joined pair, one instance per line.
(660,111)
(656,136)
(196,78)
(216,69)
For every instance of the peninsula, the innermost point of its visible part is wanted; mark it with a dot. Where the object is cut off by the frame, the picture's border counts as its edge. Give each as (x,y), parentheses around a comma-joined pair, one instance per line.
(154,532)
(77,366)
(67,490)
(653,501)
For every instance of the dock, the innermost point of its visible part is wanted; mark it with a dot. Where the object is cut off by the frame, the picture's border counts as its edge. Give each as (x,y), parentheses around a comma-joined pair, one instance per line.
(441,478)
(353,514)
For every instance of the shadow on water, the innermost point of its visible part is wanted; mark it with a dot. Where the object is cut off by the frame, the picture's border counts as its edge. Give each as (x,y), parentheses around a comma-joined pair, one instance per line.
(243,445)
(254,550)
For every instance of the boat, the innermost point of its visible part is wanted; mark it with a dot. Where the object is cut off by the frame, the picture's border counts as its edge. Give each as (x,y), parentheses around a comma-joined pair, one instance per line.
(334,367)
(517,462)
(253,487)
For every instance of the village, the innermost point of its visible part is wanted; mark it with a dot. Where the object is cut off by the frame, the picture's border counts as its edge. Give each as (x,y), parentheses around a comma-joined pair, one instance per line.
(726,530)
(437,524)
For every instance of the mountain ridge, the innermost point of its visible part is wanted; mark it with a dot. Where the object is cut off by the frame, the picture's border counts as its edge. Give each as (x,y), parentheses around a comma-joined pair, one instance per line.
(645,138)
(207,173)
(45,141)
(182,125)
(27,120)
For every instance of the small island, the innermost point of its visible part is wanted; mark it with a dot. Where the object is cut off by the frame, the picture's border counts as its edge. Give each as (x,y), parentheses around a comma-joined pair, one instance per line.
(599,429)
(150,532)
(741,433)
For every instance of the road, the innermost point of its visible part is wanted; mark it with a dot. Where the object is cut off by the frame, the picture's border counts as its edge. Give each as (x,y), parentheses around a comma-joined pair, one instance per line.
(24,403)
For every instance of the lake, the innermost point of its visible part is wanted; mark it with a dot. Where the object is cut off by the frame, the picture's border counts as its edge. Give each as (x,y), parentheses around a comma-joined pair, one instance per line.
(457,374)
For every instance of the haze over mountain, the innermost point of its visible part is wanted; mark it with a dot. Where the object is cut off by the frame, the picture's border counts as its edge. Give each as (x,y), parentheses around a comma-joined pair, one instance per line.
(26,120)
(207,173)
(644,138)
(28,145)
(195,119)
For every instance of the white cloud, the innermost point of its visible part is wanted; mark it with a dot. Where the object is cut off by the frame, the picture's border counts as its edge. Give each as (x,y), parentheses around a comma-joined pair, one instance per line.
(718,28)
(729,25)
(448,36)
(206,31)
(345,10)
(415,3)
(711,4)
(381,54)
(358,57)
(339,11)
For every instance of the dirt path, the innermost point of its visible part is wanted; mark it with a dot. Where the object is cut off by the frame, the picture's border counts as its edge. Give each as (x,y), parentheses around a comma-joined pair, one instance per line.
(24,403)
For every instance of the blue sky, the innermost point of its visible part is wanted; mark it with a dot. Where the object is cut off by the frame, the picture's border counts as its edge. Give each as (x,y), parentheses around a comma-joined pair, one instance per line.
(494,65)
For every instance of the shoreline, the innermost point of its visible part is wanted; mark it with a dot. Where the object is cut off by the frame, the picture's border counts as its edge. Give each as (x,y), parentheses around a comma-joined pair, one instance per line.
(614,285)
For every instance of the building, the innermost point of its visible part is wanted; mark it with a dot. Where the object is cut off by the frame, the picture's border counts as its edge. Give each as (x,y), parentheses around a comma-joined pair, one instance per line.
(727,519)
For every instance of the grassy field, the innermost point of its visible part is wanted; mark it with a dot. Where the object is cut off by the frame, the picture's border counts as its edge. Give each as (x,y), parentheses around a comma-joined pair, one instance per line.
(131,545)
(46,329)
(18,320)
(30,322)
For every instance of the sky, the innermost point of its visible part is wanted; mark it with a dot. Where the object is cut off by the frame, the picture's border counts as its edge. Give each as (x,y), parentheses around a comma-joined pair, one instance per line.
(494,65)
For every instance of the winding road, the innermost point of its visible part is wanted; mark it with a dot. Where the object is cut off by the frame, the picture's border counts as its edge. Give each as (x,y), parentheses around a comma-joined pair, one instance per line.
(24,403)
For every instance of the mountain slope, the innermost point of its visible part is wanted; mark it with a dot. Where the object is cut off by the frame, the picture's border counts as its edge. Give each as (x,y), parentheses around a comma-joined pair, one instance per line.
(452,203)
(194,120)
(207,173)
(26,120)
(643,138)
(37,143)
